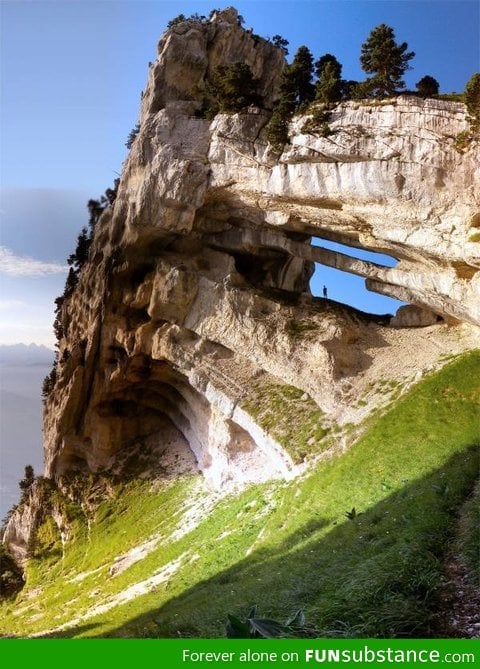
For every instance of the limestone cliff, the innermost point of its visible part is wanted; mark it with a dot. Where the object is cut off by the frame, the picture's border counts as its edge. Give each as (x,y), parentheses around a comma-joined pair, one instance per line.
(195,304)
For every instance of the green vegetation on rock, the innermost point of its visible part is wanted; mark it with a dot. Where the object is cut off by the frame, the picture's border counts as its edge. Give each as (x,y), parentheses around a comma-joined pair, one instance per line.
(232,89)
(290,416)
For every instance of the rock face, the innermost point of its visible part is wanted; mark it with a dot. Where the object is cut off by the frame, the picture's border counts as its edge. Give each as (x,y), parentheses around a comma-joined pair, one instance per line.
(196,294)
(25,519)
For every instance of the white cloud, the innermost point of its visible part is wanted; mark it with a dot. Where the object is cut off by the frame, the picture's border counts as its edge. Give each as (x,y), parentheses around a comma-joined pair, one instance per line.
(14,265)
(11,304)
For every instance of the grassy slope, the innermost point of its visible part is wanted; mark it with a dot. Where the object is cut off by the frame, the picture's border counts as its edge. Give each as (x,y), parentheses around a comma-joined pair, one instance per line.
(286,546)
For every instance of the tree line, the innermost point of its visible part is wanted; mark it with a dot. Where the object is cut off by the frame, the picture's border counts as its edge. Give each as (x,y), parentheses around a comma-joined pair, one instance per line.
(233,88)
(305,81)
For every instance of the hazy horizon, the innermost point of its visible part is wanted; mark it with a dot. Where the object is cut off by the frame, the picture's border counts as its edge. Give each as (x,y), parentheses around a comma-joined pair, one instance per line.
(22,370)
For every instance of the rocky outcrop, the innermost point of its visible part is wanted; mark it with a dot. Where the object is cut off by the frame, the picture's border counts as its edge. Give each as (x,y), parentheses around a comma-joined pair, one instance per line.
(191,51)
(411,316)
(24,521)
(196,298)
(387,179)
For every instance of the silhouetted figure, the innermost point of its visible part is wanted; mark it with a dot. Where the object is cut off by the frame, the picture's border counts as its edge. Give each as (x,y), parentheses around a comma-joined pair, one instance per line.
(325,292)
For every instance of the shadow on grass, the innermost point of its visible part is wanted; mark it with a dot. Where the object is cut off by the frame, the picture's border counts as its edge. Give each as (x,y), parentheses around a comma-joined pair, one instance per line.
(70,633)
(374,576)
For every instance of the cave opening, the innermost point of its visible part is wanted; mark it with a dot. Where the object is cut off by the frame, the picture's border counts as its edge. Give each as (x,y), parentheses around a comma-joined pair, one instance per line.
(348,288)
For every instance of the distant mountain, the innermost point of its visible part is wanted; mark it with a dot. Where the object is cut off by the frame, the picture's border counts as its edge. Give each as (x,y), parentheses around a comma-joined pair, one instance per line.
(25,354)
(22,369)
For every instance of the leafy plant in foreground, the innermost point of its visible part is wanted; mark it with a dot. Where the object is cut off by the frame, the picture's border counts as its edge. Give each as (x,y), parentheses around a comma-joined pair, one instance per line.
(254,627)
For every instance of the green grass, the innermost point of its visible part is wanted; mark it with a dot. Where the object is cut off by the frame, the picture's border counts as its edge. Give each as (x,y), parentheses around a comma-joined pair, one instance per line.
(450,97)
(286,546)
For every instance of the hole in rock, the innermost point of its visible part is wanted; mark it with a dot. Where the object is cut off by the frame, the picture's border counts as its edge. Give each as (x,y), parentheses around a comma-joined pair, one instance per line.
(342,286)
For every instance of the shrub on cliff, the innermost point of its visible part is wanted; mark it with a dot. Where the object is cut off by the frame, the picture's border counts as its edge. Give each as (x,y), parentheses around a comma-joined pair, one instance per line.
(49,382)
(79,257)
(277,129)
(176,20)
(427,86)
(11,579)
(132,136)
(231,89)
(281,42)
(472,100)
(237,87)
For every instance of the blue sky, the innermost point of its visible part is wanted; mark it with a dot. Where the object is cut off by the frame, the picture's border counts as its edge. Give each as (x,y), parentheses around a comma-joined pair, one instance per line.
(72,72)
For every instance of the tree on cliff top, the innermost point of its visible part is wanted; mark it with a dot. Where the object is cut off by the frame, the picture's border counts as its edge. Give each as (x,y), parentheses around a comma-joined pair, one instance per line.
(281,42)
(26,483)
(296,89)
(386,60)
(329,84)
(298,77)
(427,86)
(472,100)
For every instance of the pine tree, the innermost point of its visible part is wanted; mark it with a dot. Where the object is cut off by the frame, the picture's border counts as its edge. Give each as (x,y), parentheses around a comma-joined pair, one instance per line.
(323,60)
(78,259)
(386,60)
(299,75)
(277,129)
(231,89)
(296,89)
(11,579)
(329,84)
(27,481)
(178,19)
(95,209)
(111,193)
(348,88)
(71,282)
